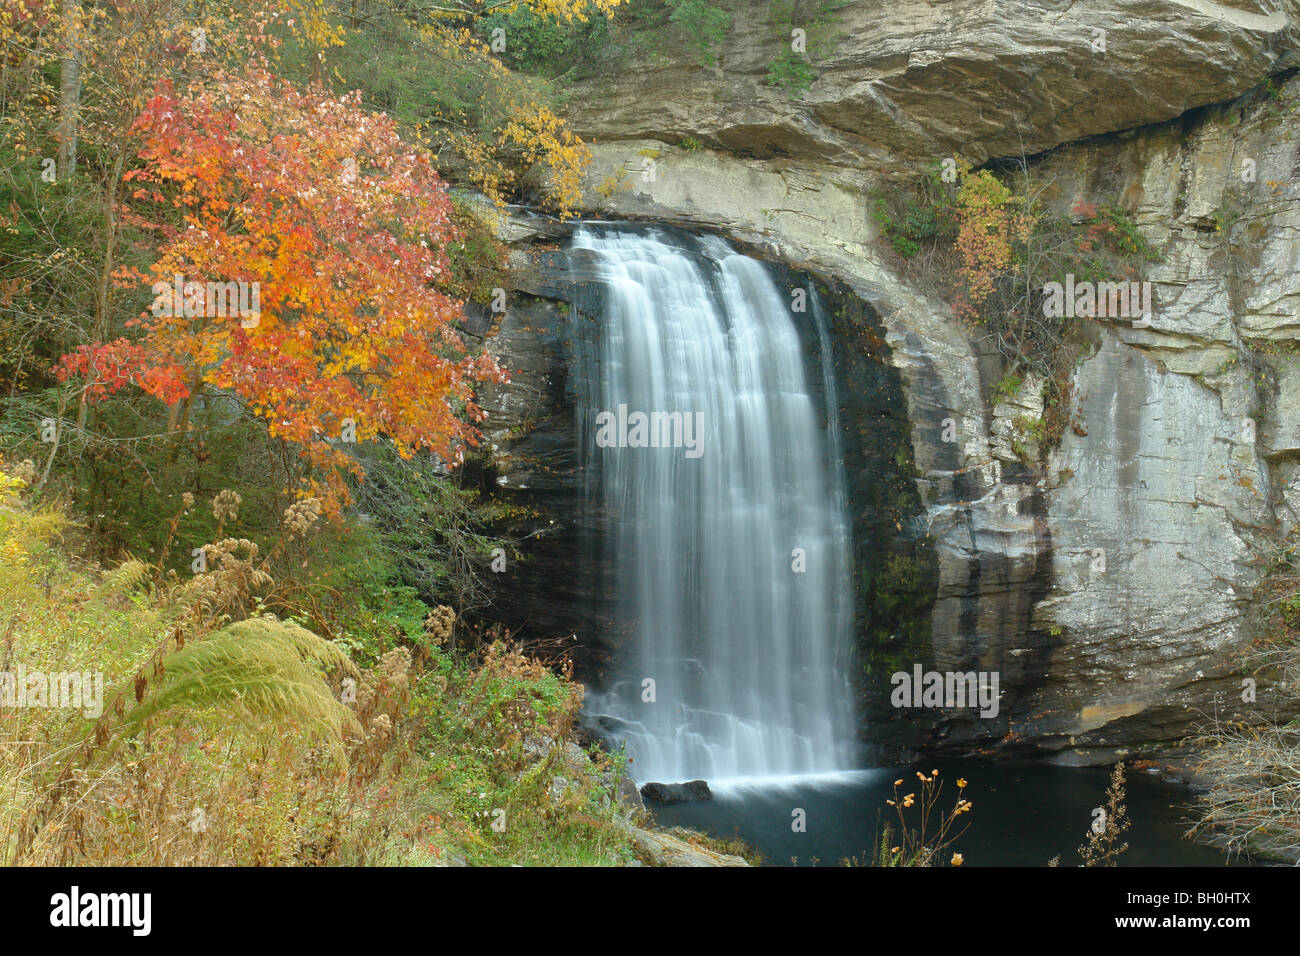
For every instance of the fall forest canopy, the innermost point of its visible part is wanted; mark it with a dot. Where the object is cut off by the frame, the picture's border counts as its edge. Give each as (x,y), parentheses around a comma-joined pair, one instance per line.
(240,239)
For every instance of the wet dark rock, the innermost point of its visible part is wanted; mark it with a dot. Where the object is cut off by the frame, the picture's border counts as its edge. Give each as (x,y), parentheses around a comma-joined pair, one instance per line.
(687,792)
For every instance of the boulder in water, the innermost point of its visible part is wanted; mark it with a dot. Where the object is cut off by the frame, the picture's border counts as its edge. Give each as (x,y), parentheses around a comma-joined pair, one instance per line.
(677,792)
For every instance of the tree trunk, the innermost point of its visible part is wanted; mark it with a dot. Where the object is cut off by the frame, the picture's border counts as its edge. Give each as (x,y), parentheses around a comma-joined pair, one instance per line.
(69,92)
(103,282)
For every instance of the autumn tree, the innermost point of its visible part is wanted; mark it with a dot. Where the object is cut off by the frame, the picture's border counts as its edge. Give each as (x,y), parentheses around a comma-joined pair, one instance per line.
(339,230)
(74,77)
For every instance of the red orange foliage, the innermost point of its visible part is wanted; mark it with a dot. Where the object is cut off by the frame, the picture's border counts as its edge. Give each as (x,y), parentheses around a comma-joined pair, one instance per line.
(344,228)
(109,367)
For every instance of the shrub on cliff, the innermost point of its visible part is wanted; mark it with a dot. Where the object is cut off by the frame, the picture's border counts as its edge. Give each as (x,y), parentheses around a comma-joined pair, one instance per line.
(989,242)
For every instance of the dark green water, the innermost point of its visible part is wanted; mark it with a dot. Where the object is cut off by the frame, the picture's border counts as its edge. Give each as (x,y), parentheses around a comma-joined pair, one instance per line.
(1020,816)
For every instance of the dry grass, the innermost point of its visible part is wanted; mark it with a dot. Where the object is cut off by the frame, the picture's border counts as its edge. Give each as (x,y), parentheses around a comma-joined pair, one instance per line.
(224,741)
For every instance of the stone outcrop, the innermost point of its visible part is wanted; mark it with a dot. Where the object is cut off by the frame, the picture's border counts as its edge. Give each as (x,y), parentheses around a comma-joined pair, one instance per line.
(902,83)
(1107,579)
(654,846)
(689,791)
(663,848)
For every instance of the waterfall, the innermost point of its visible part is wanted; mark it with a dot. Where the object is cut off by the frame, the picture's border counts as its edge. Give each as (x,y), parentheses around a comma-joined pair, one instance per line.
(726,535)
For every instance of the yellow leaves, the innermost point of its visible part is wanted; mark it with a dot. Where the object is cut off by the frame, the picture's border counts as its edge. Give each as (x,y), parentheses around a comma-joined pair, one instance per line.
(522,131)
(311,20)
(986,228)
(10,485)
(541,136)
(12,551)
(570,10)
(25,530)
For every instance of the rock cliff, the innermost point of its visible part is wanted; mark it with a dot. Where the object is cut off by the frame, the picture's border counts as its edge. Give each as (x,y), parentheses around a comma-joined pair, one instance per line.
(1109,580)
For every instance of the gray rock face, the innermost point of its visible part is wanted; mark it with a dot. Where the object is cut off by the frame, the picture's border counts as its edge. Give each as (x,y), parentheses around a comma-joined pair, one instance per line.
(1151,563)
(546,592)
(662,848)
(1110,585)
(907,82)
(1107,580)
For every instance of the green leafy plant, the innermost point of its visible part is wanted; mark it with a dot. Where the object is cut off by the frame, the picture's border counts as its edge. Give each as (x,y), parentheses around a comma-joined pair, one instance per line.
(1289,610)
(543,45)
(910,224)
(794,69)
(433,531)
(792,72)
(1005,388)
(702,27)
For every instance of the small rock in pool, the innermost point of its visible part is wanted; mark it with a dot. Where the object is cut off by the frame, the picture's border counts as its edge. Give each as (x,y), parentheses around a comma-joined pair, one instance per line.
(677,792)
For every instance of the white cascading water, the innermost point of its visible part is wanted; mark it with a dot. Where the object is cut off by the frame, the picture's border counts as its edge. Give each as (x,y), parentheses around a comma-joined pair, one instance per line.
(748,656)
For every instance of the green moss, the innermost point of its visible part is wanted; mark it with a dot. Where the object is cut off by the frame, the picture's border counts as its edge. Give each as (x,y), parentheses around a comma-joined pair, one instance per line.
(478,260)
(1005,388)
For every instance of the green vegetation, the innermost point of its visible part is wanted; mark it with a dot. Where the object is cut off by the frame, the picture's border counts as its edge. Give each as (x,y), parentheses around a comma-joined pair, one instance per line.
(701,25)
(661,29)
(478,260)
(431,530)
(545,46)
(792,72)
(1006,388)
(229,737)
(990,242)
(927,218)
(1278,104)
(252,526)
(794,69)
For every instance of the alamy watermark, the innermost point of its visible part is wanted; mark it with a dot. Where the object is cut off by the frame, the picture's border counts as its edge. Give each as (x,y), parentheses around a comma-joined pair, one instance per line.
(651,430)
(82,690)
(946,689)
(210,300)
(1114,300)
(132,911)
